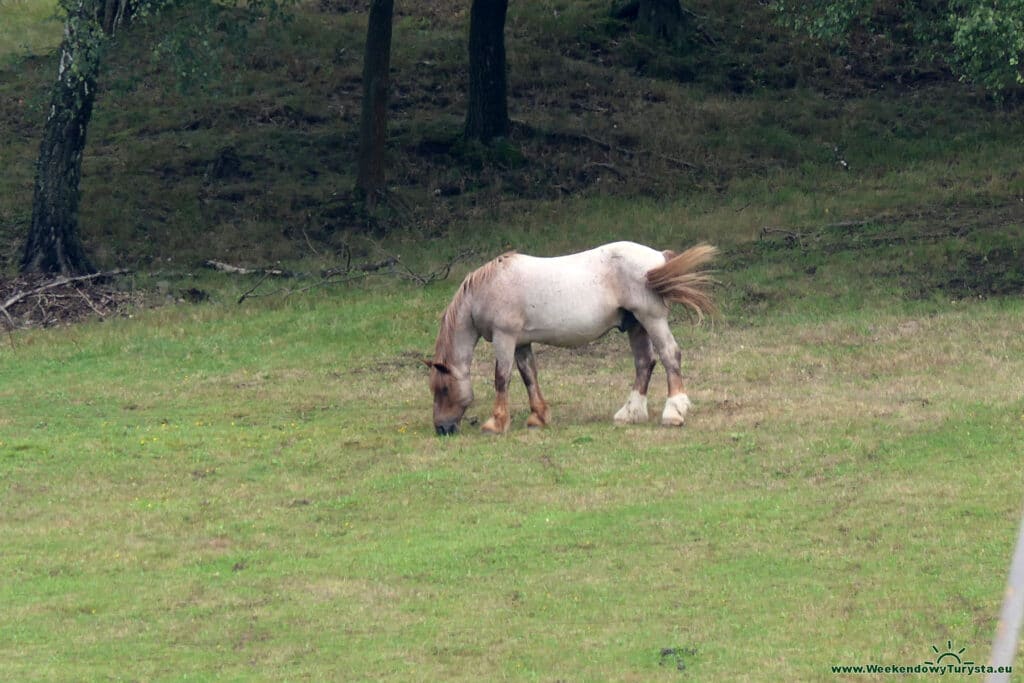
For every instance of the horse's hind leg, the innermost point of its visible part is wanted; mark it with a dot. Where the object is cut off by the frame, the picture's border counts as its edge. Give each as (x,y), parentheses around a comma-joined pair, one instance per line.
(635,409)
(678,402)
(540,415)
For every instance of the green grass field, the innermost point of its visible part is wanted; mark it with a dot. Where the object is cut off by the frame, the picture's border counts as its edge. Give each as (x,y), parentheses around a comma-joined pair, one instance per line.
(254,491)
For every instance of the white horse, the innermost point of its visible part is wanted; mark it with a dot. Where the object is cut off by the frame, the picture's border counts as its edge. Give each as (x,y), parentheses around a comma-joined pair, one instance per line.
(516,300)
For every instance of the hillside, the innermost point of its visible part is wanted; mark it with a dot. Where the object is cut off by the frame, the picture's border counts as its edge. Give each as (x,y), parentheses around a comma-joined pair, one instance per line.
(249,157)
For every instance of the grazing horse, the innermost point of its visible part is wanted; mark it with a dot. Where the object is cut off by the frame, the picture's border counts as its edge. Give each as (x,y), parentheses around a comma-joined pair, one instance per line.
(516,300)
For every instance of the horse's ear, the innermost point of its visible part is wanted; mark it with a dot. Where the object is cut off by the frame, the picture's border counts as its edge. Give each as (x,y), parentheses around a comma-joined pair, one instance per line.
(440,367)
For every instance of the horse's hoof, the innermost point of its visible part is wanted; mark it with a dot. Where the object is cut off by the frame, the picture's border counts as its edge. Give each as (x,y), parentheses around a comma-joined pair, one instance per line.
(634,412)
(675,410)
(491,427)
(535,421)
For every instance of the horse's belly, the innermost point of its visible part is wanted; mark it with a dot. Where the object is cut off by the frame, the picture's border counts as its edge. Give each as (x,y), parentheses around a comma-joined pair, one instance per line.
(572,324)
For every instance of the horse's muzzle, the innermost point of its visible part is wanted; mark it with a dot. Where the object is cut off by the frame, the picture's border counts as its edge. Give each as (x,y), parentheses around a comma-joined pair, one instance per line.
(446,429)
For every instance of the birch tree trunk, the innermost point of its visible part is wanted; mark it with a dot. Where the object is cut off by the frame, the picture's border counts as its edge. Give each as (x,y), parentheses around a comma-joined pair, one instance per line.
(53,245)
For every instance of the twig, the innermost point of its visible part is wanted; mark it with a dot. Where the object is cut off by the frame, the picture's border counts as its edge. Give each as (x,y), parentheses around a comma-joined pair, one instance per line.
(606,166)
(439,274)
(309,244)
(607,146)
(90,303)
(10,328)
(253,288)
(363,267)
(790,235)
(288,291)
(325,283)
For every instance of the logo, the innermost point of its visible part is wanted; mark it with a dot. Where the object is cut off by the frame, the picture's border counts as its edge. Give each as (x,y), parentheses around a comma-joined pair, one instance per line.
(948,661)
(949,657)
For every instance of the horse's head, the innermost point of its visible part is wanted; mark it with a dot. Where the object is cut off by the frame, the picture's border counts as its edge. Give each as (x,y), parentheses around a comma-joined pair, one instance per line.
(453,392)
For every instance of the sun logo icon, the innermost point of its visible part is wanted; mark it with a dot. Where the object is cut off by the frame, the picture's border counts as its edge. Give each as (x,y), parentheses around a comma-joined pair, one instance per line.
(949,654)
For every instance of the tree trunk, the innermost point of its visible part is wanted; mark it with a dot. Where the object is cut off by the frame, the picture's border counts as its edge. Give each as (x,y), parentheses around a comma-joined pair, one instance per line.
(115,13)
(376,84)
(53,245)
(660,18)
(487,115)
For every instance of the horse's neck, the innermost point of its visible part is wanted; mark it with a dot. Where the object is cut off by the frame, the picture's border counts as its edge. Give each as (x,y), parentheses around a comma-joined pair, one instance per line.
(456,347)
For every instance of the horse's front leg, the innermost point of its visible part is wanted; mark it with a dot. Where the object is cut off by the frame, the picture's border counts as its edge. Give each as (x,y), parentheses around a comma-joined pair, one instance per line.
(540,415)
(504,350)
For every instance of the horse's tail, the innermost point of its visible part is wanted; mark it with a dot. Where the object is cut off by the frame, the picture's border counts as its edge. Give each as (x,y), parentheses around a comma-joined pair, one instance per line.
(681,280)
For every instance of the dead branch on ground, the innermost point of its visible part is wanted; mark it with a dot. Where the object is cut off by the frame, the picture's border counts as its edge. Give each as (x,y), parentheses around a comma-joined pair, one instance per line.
(239,270)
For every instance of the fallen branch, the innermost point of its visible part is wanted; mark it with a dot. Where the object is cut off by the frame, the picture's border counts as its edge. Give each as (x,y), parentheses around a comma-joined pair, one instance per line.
(362,267)
(329,276)
(252,289)
(606,166)
(791,236)
(441,273)
(239,270)
(89,302)
(288,291)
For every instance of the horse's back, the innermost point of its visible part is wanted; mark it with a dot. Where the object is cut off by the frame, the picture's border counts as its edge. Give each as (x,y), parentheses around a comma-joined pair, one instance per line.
(568,300)
(616,259)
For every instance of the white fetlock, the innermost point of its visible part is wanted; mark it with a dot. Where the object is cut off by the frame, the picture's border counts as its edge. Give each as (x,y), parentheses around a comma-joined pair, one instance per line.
(634,411)
(675,410)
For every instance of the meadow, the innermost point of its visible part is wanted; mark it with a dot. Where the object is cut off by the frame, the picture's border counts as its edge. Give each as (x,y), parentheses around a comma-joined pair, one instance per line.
(254,490)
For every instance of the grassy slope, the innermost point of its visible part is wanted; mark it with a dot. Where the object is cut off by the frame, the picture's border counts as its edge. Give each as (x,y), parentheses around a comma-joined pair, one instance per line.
(249,491)
(30,27)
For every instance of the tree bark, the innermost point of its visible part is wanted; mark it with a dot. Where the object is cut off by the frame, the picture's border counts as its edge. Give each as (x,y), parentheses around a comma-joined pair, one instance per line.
(115,13)
(376,85)
(487,115)
(660,19)
(53,245)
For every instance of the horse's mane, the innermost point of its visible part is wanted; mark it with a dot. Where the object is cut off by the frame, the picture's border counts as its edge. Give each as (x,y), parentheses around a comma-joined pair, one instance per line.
(450,318)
